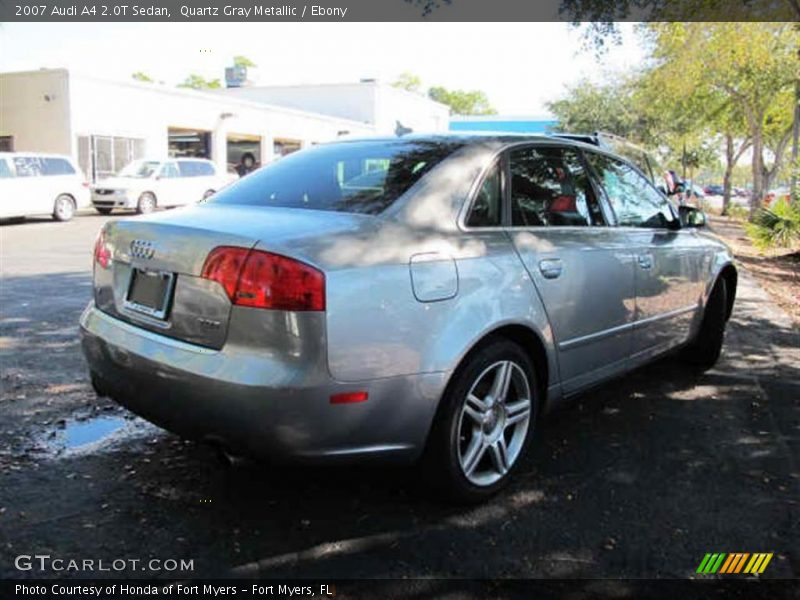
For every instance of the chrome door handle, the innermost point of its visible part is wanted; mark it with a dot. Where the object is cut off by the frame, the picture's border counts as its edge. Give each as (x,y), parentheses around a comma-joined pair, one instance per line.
(645,261)
(551,268)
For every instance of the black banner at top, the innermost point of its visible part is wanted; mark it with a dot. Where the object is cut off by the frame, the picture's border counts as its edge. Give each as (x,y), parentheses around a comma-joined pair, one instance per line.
(397,10)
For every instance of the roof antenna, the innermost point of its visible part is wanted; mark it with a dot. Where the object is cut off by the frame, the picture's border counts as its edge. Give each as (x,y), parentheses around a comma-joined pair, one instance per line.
(400,130)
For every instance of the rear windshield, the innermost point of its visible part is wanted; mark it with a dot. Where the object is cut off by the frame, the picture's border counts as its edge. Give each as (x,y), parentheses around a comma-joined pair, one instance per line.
(355,177)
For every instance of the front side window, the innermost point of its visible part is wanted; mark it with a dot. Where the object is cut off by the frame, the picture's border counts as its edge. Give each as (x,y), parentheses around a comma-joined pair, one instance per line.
(140,169)
(486,210)
(5,171)
(354,177)
(169,170)
(550,187)
(634,200)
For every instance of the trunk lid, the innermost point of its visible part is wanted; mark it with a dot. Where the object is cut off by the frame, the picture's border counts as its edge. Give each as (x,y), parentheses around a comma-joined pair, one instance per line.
(174,245)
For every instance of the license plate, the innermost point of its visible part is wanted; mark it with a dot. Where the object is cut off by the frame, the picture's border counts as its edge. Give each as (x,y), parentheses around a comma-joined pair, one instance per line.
(149,292)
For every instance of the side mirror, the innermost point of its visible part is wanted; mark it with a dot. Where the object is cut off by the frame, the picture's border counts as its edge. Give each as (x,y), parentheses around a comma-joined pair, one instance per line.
(691,216)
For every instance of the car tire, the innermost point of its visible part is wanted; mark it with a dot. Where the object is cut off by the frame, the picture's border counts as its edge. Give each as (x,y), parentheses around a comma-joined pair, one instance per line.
(63,208)
(103,210)
(146,203)
(464,458)
(704,351)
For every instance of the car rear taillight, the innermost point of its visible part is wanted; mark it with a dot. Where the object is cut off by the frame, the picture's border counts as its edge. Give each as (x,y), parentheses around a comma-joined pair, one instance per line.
(102,253)
(85,184)
(265,280)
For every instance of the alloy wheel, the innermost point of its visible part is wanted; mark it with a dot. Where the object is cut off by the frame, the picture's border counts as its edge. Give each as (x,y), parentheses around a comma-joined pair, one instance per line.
(493,424)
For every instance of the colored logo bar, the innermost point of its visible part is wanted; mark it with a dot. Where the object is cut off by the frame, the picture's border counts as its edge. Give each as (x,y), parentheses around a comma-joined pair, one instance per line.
(734,562)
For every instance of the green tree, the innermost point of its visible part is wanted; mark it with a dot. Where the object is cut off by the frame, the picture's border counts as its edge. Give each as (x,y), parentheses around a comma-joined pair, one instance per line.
(197,82)
(243,61)
(140,76)
(408,81)
(461,102)
(749,66)
(587,107)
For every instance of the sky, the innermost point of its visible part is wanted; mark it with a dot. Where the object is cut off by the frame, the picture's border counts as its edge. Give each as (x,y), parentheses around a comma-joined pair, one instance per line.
(521,66)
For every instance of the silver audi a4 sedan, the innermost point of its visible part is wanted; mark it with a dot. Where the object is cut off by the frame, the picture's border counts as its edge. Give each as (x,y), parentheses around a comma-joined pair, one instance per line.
(416,298)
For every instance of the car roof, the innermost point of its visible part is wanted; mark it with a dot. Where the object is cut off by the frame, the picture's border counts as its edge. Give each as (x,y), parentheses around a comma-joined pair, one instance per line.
(482,138)
(35,155)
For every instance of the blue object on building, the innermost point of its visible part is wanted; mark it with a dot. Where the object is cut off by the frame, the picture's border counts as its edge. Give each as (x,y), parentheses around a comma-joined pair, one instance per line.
(504,124)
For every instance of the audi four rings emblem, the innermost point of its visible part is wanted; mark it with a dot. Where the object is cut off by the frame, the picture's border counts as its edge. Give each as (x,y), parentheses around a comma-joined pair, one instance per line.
(142,249)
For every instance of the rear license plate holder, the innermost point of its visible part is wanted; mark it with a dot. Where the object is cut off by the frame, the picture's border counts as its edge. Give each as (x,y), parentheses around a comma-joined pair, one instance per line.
(150,292)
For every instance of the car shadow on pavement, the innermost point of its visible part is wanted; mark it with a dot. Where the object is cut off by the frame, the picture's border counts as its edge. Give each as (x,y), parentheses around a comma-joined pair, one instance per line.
(637,478)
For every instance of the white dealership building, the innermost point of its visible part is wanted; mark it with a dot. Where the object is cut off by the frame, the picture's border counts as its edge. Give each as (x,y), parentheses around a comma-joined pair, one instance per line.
(106,124)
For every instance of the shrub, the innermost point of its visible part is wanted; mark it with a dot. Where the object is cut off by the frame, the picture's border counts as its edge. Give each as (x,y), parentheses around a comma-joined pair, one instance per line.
(777,226)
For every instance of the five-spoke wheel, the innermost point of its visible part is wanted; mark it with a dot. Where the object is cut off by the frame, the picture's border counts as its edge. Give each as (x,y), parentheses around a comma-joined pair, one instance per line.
(485,422)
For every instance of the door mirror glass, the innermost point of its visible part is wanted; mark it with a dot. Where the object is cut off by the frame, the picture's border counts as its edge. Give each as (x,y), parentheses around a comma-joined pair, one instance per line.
(691,216)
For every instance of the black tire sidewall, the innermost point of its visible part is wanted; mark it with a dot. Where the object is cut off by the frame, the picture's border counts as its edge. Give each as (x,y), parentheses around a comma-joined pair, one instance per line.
(441,461)
(706,348)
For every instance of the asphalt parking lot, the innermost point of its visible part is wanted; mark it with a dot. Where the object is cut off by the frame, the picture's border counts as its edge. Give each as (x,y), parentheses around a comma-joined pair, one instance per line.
(639,478)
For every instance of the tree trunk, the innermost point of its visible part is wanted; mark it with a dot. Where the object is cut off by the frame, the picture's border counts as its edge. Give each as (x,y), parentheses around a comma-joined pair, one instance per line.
(726,178)
(757,194)
(795,140)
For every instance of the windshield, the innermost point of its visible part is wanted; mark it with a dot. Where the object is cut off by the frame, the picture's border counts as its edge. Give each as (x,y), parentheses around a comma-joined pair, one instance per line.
(357,177)
(140,169)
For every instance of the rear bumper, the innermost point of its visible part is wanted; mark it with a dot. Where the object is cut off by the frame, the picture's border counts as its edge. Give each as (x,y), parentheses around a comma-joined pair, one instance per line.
(257,404)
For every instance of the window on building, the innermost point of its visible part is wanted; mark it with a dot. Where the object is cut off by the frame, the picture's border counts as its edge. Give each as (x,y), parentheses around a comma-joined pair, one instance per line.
(6,143)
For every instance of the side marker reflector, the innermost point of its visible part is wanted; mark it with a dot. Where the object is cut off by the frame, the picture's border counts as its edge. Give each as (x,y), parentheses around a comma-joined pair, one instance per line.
(349,398)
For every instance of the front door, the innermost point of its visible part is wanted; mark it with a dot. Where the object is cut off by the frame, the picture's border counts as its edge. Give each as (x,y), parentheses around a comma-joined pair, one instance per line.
(668,260)
(582,269)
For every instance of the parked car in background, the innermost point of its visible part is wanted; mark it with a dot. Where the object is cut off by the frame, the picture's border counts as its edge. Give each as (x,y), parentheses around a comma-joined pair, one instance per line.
(144,185)
(426,297)
(41,184)
(714,190)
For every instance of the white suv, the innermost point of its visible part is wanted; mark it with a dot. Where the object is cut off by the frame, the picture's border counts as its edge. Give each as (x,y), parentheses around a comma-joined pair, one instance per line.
(144,184)
(41,184)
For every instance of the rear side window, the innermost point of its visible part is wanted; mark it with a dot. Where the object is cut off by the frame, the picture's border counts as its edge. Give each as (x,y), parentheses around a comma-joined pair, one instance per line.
(486,210)
(5,170)
(57,166)
(549,187)
(28,166)
(355,177)
(191,168)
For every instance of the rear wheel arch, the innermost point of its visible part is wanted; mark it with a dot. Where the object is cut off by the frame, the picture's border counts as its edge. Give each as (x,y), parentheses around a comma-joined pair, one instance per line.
(527,339)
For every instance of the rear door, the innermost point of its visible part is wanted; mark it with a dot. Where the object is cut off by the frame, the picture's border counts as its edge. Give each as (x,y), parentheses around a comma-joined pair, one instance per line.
(35,195)
(669,261)
(581,267)
(169,184)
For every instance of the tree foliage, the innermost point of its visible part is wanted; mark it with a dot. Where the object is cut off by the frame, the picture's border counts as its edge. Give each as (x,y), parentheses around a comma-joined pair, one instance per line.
(463,102)
(198,82)
(408,81)
(143,77)
(243,61)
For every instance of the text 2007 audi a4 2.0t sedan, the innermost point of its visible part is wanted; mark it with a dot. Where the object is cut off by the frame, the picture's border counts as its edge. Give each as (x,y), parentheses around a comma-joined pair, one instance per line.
(406,298)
